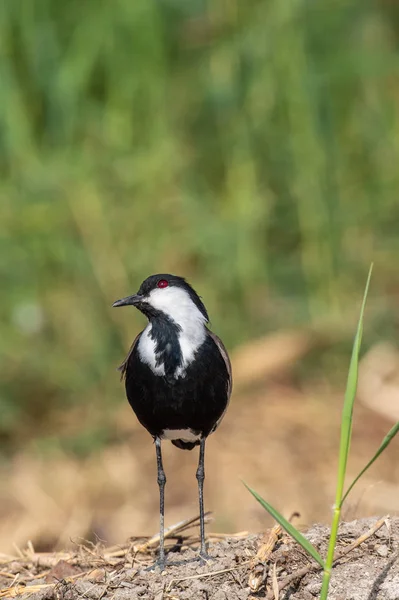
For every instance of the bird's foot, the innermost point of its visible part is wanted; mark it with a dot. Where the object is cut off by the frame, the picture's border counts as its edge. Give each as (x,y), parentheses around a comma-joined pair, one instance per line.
(204,557)
(202,560)
(159,563)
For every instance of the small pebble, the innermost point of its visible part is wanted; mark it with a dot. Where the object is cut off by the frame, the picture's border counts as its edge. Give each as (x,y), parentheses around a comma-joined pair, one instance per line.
(383,551)
(314,588)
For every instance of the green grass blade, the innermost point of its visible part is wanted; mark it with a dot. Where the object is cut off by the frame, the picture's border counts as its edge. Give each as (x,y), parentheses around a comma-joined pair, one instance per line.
(385,442)
(294,533)
(346,434)
(350,393)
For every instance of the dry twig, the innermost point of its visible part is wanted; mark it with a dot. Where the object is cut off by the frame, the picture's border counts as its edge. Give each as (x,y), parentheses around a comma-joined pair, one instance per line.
(258,573)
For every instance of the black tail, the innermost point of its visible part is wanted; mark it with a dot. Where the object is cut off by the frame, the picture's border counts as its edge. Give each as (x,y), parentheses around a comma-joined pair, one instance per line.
(185,445)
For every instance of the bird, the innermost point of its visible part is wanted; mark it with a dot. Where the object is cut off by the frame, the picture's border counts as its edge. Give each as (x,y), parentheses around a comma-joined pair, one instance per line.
(177,376)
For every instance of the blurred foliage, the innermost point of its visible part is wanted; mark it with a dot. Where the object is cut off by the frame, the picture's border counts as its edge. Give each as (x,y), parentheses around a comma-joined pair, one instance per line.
(251,146)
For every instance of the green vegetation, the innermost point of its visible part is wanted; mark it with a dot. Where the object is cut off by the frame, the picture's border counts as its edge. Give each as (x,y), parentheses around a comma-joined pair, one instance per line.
(252,146)
(346,436)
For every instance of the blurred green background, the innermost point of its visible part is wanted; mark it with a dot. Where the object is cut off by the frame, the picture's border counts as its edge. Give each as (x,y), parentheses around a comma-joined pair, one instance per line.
(250,146)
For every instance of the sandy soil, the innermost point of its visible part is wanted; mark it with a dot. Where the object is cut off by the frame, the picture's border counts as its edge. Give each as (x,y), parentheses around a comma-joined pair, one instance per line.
(369,571)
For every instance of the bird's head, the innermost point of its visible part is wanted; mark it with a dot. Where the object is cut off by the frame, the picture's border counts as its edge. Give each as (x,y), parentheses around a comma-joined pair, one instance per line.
(167,295)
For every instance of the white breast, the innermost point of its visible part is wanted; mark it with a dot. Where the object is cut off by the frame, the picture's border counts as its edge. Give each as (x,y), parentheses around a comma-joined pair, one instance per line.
(146,350)
(189,344)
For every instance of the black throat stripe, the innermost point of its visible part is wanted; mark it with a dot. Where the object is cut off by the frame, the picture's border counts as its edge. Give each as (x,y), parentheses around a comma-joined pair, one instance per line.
(165,333)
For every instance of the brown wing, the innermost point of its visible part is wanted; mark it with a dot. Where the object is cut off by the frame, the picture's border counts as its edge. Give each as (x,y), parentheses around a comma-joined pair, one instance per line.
(123,366)
(226,359)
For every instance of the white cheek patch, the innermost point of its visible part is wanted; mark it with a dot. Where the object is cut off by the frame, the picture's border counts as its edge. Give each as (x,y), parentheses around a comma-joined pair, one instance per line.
(177,304)
(146,350)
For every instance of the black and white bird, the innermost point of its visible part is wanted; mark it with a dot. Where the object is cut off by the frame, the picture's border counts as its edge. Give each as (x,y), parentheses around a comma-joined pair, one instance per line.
(177,375)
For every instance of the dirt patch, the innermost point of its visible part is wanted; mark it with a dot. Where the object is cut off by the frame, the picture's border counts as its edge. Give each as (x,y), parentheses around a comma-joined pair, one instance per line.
(368,571)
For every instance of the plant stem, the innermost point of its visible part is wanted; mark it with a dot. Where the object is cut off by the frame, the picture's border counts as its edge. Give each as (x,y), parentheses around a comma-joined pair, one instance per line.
(330,552)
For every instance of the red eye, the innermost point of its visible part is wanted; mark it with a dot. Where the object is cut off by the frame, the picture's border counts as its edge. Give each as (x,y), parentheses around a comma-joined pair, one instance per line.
(162,283)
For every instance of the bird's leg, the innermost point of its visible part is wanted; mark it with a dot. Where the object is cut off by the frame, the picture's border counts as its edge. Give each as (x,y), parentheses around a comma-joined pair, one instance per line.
(200,478)
(161,483)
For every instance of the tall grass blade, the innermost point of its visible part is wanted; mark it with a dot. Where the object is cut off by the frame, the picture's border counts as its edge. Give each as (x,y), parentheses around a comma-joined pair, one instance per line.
(293,532)
(346,434)
(350,394)
(384,444)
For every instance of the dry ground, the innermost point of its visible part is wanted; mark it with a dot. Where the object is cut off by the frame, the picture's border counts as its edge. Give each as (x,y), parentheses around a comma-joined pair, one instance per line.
(240,569)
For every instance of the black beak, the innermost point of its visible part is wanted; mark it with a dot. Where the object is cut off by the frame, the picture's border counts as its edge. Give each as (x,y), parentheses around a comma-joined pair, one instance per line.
(130,300)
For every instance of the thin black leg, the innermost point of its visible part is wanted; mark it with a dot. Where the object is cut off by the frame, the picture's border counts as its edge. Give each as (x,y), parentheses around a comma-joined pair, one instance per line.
(161,483)
(200,477)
